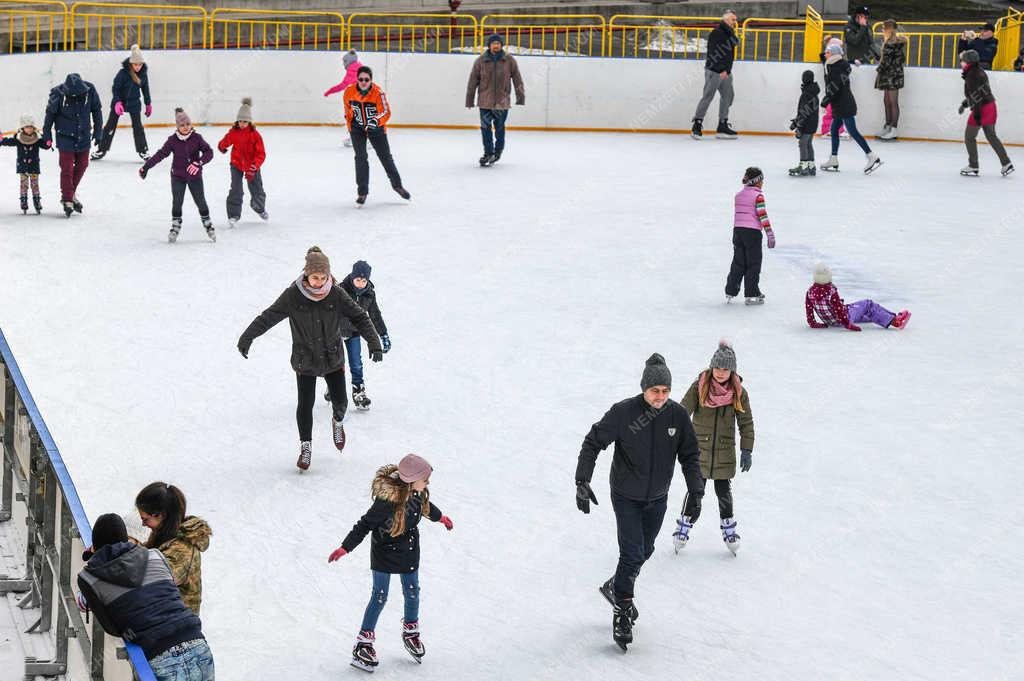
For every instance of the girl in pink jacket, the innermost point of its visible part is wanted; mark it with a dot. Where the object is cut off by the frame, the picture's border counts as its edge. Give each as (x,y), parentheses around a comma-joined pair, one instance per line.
(352,64)
(750,220)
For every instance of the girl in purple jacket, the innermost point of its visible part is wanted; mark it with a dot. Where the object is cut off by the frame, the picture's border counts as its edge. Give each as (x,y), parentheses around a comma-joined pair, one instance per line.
(191,153)
(750,220)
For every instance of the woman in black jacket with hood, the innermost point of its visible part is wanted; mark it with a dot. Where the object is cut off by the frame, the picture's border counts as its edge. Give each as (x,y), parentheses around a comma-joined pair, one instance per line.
(844,108)
(130,90)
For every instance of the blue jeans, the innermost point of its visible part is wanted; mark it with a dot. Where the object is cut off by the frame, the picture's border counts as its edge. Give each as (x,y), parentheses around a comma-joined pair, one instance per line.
(189,661)
(354,348)
(495,117)
(379,596)
(637,523)
(851,127)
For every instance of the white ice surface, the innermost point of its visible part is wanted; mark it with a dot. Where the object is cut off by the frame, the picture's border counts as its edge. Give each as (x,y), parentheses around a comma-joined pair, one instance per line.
(881,523)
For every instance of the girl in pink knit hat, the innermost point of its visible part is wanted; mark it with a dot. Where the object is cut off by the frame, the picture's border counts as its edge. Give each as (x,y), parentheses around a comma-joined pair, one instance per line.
(400,498)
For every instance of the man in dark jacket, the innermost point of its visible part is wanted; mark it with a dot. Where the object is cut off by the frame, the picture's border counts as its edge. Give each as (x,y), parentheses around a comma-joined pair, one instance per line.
(130,90)
(493,75)
(983,42)
(722,43)
(650,433)
(74,108)
(860,45)
(130,590)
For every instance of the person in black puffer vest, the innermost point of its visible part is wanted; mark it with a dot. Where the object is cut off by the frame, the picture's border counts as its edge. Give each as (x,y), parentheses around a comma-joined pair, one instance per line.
(722,44)
(805,124)
(27,142)
(130,90)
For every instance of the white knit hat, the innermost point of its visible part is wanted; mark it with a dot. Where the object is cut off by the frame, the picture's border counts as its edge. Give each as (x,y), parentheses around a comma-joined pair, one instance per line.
(136,56)
(26,120)
(245,111)
(822,274)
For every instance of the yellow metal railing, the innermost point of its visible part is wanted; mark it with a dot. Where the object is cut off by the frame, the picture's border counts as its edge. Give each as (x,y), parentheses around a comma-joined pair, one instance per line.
(395,32)
(560,34)
(1008,30)
(116,26)
(39,24)
(275,30)
(814,34)
(927,44)
(643,35)
(773,39)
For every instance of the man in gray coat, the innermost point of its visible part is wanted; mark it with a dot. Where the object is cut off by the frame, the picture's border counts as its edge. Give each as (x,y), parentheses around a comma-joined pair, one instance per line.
(492,76)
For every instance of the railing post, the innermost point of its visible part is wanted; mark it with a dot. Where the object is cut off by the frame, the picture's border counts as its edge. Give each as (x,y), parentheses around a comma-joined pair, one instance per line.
(7,443)
(48,551)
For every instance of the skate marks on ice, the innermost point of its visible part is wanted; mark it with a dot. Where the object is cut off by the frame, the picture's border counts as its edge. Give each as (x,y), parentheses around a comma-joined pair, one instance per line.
(854,283)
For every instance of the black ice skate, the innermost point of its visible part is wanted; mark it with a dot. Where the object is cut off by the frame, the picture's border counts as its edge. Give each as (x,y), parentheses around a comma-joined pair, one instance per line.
(609,595)
(210,232)
(97,155)
(401,191)
(69,208)
(76,204)
(697,129)
(1007,169)
(411,639)
(486,160)
(755,300)
(144,155)
(363,655)
(622,623)
(305,455)
(172,235)
(37,203)
(725,131)
(361,199)
(359,397)
(497,157)
(24,205)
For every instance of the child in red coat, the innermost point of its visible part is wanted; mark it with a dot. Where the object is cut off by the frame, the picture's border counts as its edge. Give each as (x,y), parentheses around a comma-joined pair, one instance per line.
(247,156)
(823,300)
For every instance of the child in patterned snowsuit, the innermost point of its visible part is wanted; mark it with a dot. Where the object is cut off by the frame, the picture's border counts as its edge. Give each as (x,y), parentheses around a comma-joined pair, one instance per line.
(28,143)
(822,300)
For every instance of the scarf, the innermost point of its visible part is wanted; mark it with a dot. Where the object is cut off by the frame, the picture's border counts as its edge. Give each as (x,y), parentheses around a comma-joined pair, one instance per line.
(185,137)
(314,294)
(28,139)
(719,395)
(833,58)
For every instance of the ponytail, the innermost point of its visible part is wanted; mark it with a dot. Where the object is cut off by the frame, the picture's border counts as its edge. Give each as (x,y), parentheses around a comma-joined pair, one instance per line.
(167,501)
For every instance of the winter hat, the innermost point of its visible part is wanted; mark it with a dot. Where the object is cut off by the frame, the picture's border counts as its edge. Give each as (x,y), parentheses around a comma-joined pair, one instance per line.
(834,48)
(316,261)
(108,529)
(492,37)
(808,77)
(349,57)
(180,117)
(753,175)
(26,120)
(822,274)
(245,111)
(136,56)
(361,269)
(414,468)
(969,56)
(724,357)
(655,373)
(987,26)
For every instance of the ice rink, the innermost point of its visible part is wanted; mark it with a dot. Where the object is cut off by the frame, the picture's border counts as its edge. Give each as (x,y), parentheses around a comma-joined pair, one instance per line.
(880,520)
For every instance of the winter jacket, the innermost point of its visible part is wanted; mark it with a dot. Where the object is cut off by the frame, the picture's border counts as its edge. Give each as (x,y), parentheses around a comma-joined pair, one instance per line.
(837,89)
(130,591)
(750,211)
(986,49)
(1018,63)
(317,340)
(722,43)
(648,442)
(350,77)
(889,74)
(859,43)
(394,555)
(491,79)
(127,91)
(246,147)
(361,107)
(192,149)
(977,91)
(75,110)
(806,120)
(28,151)
(184,556)
(823,300)
(716,432)
(367,299)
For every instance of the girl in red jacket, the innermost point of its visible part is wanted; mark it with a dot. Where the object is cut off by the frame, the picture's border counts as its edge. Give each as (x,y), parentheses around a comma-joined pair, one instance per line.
(247,156)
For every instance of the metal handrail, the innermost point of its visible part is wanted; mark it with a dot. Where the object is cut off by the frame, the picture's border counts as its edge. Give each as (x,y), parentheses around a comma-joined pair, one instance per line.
(277,18)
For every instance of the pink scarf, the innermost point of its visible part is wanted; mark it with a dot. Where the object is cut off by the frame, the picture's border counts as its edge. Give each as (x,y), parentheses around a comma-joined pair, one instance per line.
(720,395)
(314,294)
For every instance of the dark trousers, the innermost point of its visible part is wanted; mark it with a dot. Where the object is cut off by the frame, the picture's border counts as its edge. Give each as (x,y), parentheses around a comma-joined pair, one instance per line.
(851,127)
(72,168)
(379,140)
(807,146)
(723,490)
(257,197)
(307,397)
(746,262)
(138,131)
(495,118)
(195,187)
(971,141)
(637,524)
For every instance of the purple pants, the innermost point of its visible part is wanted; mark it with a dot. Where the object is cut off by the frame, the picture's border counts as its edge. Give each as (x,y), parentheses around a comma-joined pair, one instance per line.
(869,311)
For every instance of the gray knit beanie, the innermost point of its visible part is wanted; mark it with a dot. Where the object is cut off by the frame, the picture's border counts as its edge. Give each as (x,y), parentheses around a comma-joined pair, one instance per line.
(970,57)
(245,111)
(349,58)
(724,357)
(181,118)
(655,373)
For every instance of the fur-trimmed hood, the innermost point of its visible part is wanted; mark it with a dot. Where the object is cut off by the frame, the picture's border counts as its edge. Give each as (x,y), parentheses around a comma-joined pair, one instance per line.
(386,484)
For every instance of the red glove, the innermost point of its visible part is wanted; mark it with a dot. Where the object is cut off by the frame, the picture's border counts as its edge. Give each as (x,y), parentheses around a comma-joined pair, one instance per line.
(250,174)
(193,168)
(222,150)
(447,522)
(336,554)
(853,327)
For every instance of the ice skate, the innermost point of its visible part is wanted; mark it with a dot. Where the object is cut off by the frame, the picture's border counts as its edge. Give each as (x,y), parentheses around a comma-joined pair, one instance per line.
(347,142)
(144,155)
(729,536)
(725,131)
(232,222)
(359,397)
(608,592)
(872,163)
(24,205)
(37,203)
(697,129)
(361,199)
(264,215)
(622,623)
(902,317)
(172,236)
(832,164)
(797,170)
(76,204)
(755,300)
(810,169)
(208,225)
(1007,169)
(888,135)
(363,655)
(401,191)
(486,160)
(97,155)
(682,534)
(411,639)
(69,208)
(338,429)
(305,455)
(497,157)
(728,298)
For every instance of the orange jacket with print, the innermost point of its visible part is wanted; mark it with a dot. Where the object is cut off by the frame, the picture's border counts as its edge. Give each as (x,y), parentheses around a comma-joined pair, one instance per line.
(361,107)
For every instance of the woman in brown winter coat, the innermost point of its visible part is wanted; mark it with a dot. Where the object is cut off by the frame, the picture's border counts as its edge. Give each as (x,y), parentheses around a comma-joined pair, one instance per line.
(889,76)
(718,403)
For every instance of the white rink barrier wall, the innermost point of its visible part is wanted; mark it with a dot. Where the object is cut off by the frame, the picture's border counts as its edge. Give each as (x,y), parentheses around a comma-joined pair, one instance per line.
(647,95)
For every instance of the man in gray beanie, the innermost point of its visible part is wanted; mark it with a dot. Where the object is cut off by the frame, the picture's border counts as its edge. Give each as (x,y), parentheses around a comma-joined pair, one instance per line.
(650,432)
(493,75)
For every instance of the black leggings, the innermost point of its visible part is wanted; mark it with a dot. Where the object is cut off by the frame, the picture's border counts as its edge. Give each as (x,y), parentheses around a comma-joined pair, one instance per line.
(891,99)
(195,186)
(723,490)
(307,397)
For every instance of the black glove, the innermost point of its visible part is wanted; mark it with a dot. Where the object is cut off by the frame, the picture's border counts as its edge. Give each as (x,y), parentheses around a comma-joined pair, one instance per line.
(963,107)
(792,124)
(376,355)
(746,457)
(243,348)
(584,495)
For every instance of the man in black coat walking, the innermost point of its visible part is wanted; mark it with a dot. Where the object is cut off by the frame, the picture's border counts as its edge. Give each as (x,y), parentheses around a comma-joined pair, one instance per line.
(722,43)
(650,433)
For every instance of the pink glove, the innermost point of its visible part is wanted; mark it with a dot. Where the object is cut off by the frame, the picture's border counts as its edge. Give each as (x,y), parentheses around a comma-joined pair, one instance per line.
(336,554)
(48,143)
(771,237)
(193,168)
(119,108)
(327,93)
(853,327)
(447,522)
(149,110)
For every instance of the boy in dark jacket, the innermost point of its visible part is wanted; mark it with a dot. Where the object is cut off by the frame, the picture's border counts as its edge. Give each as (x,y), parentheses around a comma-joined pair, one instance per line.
(131,82)
(74,109)
(247,157)
(191,153)
(805,124)
(28,142)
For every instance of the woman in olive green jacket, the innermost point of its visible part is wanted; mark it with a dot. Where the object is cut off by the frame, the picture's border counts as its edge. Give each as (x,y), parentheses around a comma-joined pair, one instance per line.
(718,403)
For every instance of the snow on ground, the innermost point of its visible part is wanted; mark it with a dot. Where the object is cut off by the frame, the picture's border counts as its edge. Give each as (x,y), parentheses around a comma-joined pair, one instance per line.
(880,522)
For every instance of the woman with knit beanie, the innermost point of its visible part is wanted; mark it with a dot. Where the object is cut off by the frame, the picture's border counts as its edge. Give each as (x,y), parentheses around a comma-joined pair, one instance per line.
(400,498)
(131,91)
(718,403)
(317,309)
